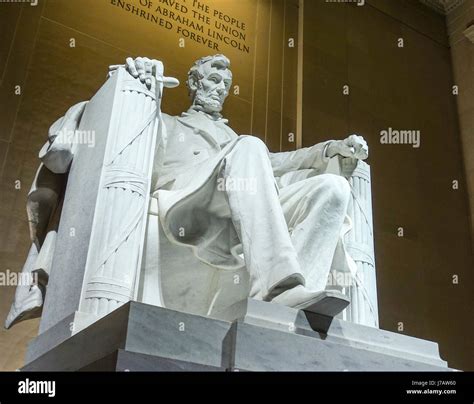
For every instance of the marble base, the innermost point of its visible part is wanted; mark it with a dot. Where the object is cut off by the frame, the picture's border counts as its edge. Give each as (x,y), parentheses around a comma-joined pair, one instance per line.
(249,336)
(125,361)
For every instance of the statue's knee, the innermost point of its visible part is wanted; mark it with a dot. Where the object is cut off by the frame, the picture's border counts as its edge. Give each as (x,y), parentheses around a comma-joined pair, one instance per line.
(252,144)
(336,188)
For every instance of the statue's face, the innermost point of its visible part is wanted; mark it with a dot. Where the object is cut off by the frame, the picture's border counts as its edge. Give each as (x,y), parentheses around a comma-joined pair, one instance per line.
(213,88)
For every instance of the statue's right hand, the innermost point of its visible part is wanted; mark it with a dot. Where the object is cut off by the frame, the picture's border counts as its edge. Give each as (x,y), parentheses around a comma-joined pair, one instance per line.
(142,68)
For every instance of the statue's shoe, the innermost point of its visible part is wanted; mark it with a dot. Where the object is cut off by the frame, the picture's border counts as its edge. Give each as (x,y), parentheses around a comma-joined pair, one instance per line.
(327,302)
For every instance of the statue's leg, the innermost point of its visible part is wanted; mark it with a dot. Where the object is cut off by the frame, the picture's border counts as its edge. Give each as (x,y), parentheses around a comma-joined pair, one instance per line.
(315,209)
(259,220)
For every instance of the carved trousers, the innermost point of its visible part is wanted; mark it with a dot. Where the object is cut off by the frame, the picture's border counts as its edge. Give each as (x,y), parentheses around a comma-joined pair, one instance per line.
(288,235)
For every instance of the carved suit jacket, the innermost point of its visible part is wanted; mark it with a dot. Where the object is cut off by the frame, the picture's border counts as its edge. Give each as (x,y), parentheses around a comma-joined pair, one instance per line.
(188,142)
(187,160)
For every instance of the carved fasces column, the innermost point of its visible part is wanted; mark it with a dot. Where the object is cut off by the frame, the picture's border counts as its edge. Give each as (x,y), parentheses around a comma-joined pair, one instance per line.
(360,245)
(118,229)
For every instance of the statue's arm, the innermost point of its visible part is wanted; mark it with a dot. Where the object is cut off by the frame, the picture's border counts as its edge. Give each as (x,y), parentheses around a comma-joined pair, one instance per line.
(317,156)
(308,157)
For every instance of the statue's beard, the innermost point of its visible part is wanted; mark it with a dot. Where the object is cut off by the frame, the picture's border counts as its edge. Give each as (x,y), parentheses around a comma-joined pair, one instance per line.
(203,102)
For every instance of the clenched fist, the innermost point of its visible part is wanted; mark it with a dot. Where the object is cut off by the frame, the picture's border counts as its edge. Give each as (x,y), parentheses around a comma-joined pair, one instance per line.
(354,147)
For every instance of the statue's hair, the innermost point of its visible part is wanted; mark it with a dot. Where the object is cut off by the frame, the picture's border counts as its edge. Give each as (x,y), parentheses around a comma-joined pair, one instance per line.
(194,75)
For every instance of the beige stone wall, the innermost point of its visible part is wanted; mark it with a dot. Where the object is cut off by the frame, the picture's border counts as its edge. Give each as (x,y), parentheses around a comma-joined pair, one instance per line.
(462,52)
(405,88)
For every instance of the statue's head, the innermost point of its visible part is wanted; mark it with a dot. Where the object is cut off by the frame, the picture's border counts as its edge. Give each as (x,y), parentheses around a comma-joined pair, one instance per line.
(209,81)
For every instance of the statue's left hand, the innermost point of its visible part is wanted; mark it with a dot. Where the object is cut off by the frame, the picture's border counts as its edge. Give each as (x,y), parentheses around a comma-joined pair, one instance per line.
(353,147)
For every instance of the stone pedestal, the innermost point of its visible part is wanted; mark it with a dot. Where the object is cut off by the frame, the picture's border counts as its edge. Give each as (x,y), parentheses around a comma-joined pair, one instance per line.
(251,336)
